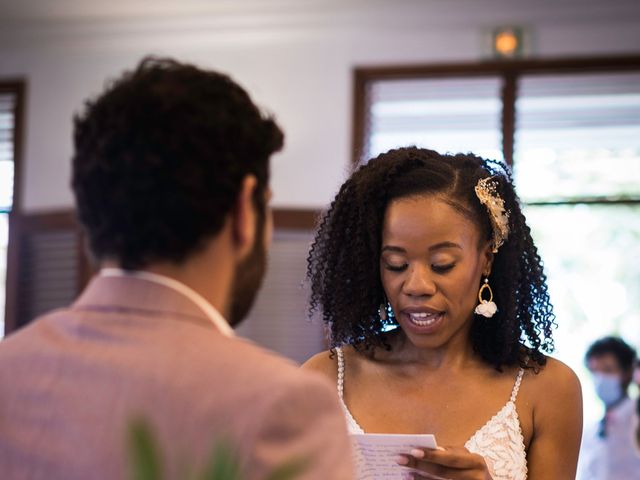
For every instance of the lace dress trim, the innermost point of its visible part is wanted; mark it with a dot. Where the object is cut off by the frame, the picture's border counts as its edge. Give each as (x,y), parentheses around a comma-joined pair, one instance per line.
(499,441)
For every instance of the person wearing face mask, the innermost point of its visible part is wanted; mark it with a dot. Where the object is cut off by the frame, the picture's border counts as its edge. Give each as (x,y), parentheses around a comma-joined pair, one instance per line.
(609,449)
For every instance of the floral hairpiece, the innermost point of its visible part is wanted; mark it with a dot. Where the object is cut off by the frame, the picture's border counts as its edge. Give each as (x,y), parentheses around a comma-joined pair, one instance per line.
(487,192)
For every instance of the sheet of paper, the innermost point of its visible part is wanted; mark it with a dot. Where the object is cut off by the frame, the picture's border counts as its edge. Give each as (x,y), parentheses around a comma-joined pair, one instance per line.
(375,454)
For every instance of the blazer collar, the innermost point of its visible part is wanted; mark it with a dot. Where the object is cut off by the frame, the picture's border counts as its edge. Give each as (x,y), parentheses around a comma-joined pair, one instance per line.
(129,293)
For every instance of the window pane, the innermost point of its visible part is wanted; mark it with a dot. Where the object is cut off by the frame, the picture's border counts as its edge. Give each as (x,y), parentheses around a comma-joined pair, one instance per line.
(447,115)
(6,186)
(591,257)
(7,104)
(578,136)
(7,120)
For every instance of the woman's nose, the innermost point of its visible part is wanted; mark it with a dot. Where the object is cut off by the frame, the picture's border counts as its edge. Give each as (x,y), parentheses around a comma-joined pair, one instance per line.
(419,282)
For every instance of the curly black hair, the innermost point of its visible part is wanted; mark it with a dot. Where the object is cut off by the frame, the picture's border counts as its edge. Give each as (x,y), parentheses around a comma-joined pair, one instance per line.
(160,157)
(344,260)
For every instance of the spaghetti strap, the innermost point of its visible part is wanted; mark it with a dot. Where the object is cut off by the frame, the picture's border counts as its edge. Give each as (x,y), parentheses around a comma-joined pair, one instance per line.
(499,441)
(340,372)
(516,387)
(352,425)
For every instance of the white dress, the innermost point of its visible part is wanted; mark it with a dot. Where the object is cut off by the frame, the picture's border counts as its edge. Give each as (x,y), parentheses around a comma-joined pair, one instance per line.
(499,441)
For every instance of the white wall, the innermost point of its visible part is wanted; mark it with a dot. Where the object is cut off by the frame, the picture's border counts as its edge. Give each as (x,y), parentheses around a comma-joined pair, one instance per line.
(295,58)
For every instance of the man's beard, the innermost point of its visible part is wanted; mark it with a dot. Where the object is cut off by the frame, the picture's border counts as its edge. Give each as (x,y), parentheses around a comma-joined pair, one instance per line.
(248,276)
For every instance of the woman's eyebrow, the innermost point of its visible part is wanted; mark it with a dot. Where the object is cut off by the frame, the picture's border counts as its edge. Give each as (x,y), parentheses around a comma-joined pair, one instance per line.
(393,248)
(437,246)
(441,245)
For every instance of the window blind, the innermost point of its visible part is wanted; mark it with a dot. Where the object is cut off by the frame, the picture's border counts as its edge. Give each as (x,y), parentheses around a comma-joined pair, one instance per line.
(574,101)
(447,115)
(7,120)
(578,136)
(49,272)
(278,319)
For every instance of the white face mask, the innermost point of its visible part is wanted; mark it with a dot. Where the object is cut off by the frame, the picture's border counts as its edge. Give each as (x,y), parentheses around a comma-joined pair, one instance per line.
(608,387)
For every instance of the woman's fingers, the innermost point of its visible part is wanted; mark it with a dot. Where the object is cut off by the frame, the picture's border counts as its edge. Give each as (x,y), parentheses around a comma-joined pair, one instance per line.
(426,476)
(453,457)
(421,469)
(452,463)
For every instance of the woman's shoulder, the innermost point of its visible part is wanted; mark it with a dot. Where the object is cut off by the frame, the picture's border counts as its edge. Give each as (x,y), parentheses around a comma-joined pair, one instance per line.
(553,383)
(553,371)
(325,363)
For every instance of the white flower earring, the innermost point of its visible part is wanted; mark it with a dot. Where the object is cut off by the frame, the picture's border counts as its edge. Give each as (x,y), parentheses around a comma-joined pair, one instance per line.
(486,308)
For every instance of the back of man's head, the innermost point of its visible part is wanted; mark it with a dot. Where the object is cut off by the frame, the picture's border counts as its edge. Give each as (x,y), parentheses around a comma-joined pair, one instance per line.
(160,158)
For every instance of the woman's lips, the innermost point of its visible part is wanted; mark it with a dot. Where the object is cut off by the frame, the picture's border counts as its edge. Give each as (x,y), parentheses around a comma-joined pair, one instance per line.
(423,321)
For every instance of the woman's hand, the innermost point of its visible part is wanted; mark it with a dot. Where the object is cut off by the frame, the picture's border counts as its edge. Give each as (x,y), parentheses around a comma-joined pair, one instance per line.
(451,463)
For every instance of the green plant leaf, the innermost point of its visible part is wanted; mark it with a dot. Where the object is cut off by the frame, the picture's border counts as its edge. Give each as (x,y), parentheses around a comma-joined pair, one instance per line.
(143,452)
(223,464)
(290,470)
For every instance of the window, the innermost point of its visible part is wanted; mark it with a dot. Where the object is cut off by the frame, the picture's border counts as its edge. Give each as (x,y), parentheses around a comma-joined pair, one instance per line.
(577,166)
(10,113)
(571,131)
(456,115)
(41,261)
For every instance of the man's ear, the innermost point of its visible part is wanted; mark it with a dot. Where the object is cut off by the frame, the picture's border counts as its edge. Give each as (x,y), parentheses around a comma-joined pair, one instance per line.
(244,217)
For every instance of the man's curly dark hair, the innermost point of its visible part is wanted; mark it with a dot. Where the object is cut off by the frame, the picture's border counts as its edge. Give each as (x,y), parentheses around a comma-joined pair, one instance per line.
(344,260)
(160,157)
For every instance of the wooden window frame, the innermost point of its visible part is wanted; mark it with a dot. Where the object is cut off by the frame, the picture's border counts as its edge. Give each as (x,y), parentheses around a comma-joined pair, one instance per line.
(295,219)
(509,71)
(17,87)
(23,225)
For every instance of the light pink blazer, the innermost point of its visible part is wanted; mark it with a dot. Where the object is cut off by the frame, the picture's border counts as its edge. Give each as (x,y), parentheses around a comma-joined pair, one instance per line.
(71,382)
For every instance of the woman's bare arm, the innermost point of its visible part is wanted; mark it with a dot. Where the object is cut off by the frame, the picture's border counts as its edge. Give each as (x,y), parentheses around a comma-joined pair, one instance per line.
(557,423)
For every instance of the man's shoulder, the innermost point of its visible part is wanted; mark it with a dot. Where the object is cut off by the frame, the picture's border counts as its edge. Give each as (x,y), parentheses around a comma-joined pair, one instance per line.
(192,356)
(25,338)
(243,360)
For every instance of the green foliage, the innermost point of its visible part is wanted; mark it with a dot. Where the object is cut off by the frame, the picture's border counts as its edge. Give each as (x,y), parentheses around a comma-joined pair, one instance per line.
(143,453)
(289,471)
(223,464)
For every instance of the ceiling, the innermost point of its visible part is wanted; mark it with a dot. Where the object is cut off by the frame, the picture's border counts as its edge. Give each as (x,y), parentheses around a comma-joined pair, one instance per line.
(34,20)
(68,10)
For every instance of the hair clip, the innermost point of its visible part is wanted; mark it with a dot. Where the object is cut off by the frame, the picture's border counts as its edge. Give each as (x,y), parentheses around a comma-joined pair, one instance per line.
(487,192)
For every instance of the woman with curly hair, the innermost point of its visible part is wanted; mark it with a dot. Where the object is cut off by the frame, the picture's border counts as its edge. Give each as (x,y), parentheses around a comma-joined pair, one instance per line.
(435,298)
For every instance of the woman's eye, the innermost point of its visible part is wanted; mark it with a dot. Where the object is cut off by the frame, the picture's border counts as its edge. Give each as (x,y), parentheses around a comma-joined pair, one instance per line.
(396,268)
(442,268)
